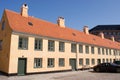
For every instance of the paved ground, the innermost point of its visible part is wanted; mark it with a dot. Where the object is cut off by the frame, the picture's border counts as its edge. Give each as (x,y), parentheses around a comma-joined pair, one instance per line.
(75,75)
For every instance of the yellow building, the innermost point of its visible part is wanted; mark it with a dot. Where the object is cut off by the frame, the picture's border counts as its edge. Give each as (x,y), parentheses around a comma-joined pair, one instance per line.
(31,45)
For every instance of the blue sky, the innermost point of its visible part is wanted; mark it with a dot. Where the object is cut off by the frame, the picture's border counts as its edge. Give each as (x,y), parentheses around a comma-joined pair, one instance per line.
(77,13)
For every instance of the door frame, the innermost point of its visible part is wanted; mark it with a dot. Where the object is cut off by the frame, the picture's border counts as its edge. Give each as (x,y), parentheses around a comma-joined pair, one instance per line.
(25,70)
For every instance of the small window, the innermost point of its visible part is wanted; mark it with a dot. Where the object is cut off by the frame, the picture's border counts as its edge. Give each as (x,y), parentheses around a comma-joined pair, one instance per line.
(110,51)
(87,61)
(87,49)
(114,52)
(23,43)
(103,51)
(106,51)
(110,60)
(38,44)
(80,48)
(99,51)
(38,63)
(73,48)
(98,61)
(3,25)
(61,46)
(51,45)
(1,42)
(61,62)
(107,60)
(73,34)
(103,61)
(51,62)
(30,23)
(81,61)
(93,61)
(92,50)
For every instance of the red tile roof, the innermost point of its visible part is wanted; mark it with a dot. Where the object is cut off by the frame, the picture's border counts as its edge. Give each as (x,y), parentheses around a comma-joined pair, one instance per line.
(40,27)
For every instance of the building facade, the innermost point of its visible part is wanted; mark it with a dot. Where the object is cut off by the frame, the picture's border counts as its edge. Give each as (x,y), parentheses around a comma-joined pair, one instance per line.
(31,45)
(108,30)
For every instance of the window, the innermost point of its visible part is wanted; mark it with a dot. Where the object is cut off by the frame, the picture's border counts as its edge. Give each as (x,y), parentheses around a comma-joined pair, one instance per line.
(106,51)
(37,62)
(50,62)
(87,61)
(30,23)
(51,45)
(1,42)
(80,61)
(3,25)
(103,61)
(38,44)
(103,52)
(99,52)
(98,61)
(61,46)
(61,62)
(87,49)
(23,43)
(73,48)
(110,51)
(107,60)
(92,50)
(110,60)
(80,48)
(93,61)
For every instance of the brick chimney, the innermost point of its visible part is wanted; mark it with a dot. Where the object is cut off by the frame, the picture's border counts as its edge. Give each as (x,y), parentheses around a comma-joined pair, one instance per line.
(61,22)
(101,34)
(24,10)
(112,38)
(86,30)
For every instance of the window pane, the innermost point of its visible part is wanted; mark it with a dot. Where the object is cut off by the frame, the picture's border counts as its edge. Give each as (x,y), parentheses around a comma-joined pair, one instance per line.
(38,44)
(98,61)
(110,51)
(73,48)
(93,61)
(37,62)
(103,52)
(61,62)
(87,49)
(106,51)
(61,46)
(92,50)
(99,52)
(103,60)
(50,62)
(80,48)
(80,61)
(20,43)
(87,61)
(51,45)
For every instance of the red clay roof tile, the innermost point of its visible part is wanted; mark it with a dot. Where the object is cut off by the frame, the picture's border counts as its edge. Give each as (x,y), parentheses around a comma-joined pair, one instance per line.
(40,27)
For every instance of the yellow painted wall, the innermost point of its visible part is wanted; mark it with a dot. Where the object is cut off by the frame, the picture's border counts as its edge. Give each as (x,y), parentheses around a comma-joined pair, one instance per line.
(5,35)
(30,54)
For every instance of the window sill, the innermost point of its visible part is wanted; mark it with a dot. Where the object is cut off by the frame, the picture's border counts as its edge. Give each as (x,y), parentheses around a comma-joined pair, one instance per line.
(51,51)
(38,50)
(61,66)
(37,67)
(50,66)
(23,48)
